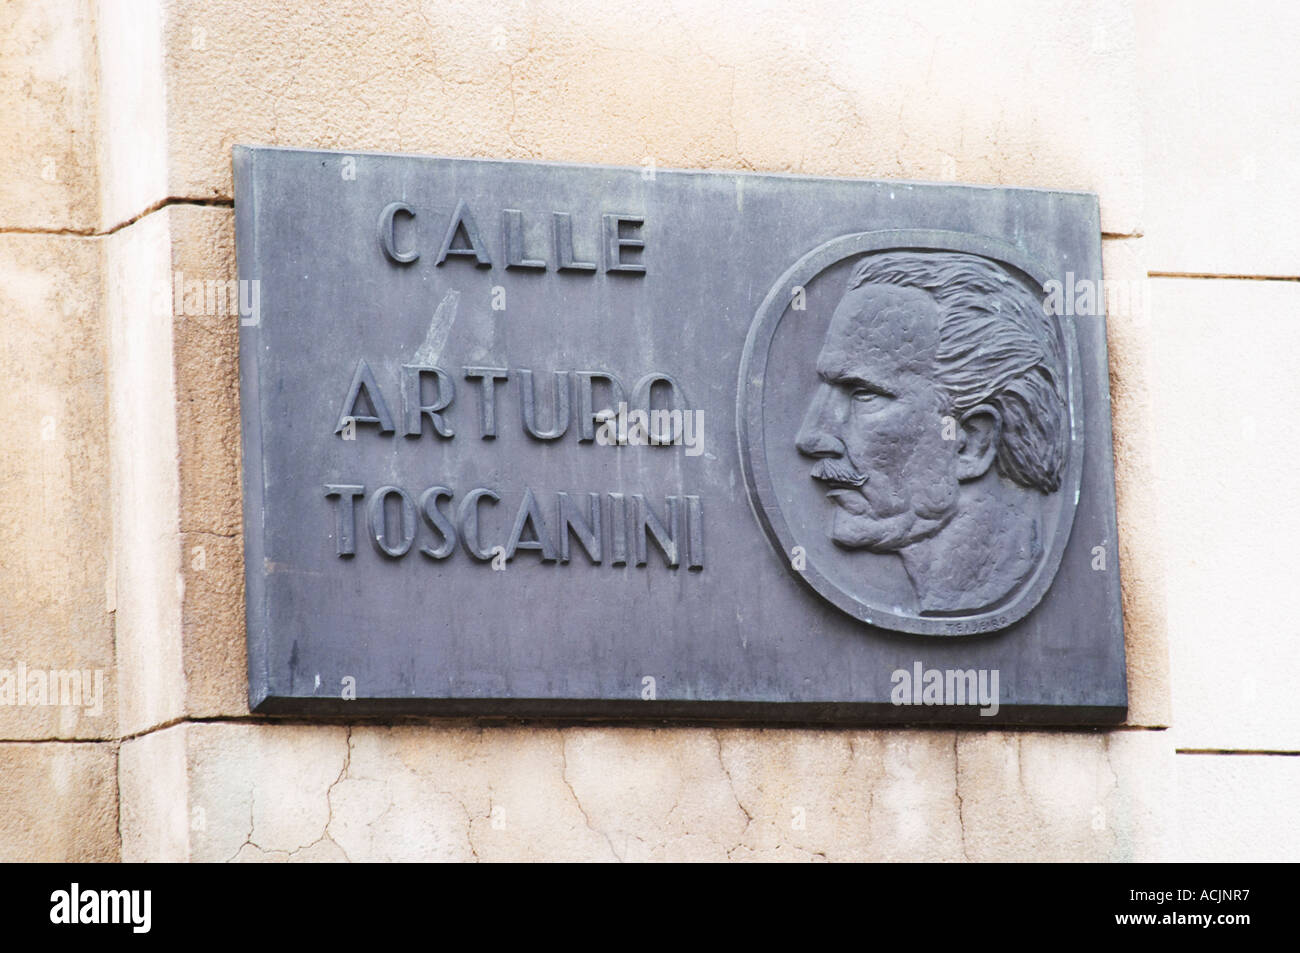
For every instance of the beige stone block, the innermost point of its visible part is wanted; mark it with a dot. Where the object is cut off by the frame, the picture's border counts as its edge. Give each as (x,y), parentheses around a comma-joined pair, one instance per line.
(661,795)
(194,312)
(401,800)
(144,474)
(153,783)
(844,796)
(54,524)
(1065,796)
(453,793)
(178,325)
(944,796)
(227,792)
(463,793)
(1237,809)
(214,652)
(48,103)
(823,88)
(58,802)
(1220,101)
(1224,391)
(1134,423)
(205,340)
(133,117)
(264,792)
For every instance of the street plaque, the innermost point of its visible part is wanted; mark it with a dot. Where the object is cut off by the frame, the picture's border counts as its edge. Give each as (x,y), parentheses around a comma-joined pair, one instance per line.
(544,440)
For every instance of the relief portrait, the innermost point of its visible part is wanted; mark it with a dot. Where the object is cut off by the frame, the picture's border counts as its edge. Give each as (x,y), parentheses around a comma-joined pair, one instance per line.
(939,423)
(909,436)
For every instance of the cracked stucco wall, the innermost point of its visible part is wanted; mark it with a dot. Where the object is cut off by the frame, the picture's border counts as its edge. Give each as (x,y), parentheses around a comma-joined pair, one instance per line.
(466,793)
(134,562)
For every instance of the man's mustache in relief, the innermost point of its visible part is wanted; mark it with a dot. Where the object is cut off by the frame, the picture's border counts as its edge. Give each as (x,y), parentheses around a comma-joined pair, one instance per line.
(837,470)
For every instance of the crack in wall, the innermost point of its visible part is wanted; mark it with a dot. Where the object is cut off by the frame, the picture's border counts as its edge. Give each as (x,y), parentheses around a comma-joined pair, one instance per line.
(749,818)
(956,792)
(329,802)
(248,839)
(564,776)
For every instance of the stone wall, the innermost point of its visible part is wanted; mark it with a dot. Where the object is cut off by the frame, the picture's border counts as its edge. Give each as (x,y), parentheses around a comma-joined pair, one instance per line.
(121,550)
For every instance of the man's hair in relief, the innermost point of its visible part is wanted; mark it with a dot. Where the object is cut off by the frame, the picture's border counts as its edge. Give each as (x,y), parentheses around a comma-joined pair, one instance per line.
(997,346)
